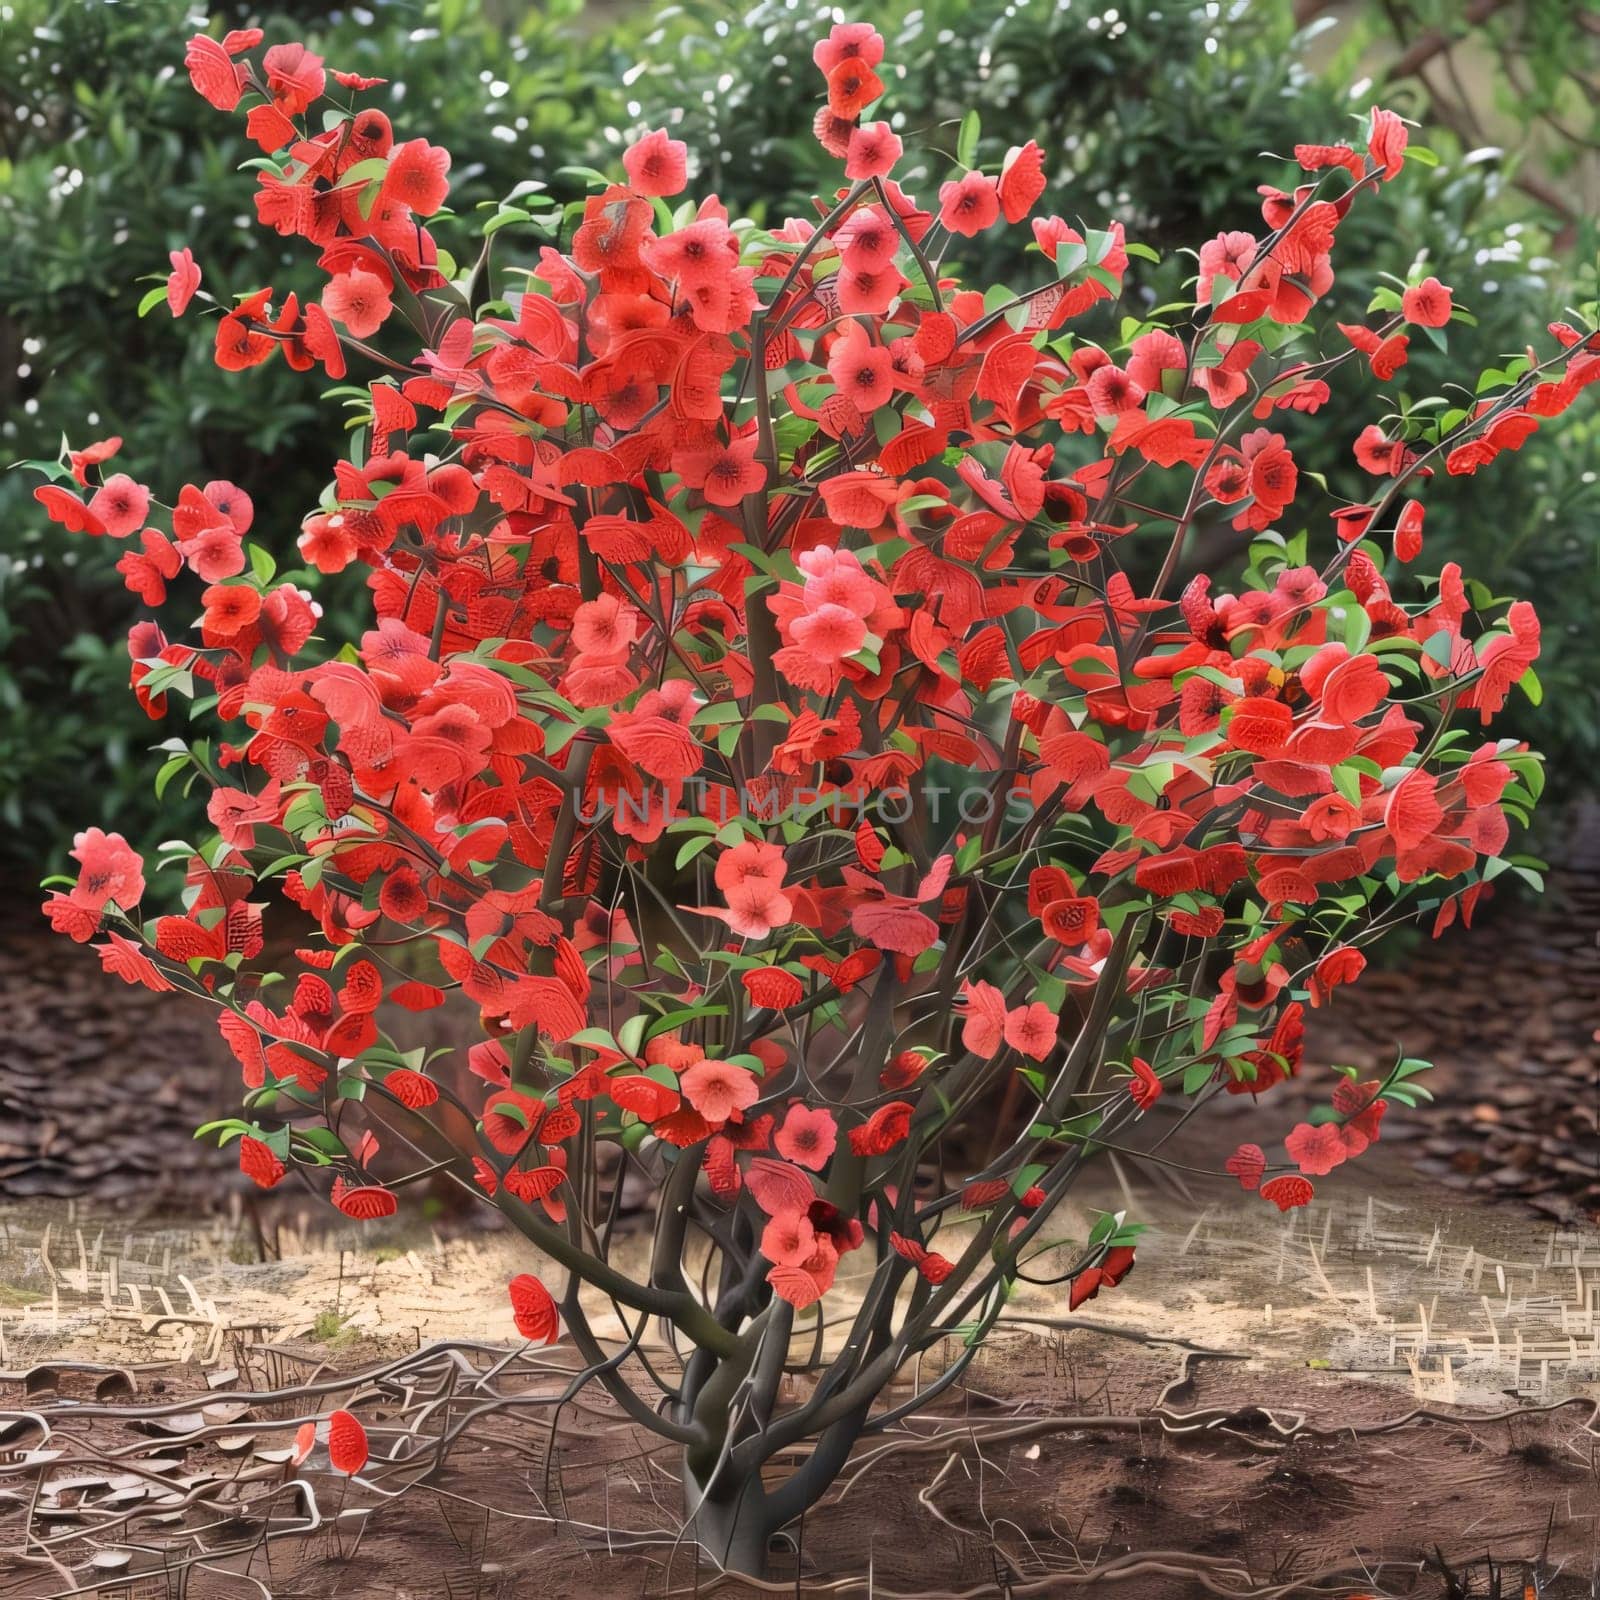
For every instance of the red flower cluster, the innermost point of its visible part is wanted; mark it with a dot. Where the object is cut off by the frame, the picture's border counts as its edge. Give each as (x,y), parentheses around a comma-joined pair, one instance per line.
(702,558)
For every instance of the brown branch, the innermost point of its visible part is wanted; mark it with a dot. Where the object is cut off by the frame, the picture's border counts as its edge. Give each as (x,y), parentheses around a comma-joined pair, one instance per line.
(1435,42)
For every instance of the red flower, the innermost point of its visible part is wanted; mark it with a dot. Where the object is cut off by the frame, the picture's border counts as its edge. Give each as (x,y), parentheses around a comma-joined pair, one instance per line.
(788,1240)
(1144,1087)
(1247,1163)
(366,1203)
(294,77)
(1340,966)
(1287,1192)
(1408,531)
(347,1443)
(883,1130)
(724,474)
(702,559)
(772,988)
(511,1119)
(1072,920)
(1427,304)
(216,77)
(1021,181)
(533,1310)
(1316,1150)
(1386,143)
(852,87)
(418,177)
(258,1163)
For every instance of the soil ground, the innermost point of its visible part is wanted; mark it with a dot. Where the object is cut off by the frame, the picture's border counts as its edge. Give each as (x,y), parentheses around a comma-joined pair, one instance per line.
(1381,1398)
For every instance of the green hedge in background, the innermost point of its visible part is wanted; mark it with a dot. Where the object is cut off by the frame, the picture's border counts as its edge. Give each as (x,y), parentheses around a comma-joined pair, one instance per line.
(108,160)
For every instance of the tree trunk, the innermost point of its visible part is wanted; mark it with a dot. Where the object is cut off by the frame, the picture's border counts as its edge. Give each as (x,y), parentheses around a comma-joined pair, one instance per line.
(732,1523)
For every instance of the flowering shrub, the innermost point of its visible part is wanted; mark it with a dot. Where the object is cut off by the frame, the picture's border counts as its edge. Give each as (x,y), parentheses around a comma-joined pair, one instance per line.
(759,728)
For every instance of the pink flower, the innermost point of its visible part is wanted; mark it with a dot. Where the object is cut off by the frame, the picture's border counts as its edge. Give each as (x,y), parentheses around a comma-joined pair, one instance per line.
(605,625)
(1032,1029)
(830,633)
(861,371)
(835,577)
(1226,256)
(849,41)
(700,255)
(751,860)
(984,1029)
(360,300)
(657,165)
(214,554)
(716,1089)
(970,204)
(232,503)
(111,870)
(874,149)
(120,504)
(867,239)
(807,1136)
(1112,391)
(183,280)
(870,292)
(806,1282)
(1316,1150)
(754,909)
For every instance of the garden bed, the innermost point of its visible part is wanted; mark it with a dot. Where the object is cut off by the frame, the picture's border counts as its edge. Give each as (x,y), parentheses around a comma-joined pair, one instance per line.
(1399,1383)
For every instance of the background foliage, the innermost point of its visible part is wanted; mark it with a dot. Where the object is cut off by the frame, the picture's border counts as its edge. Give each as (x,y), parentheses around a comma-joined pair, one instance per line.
(1153,107)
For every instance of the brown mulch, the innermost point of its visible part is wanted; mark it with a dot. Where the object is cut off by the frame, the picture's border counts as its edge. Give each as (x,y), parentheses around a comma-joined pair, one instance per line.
(1075,1465)
(102,1084)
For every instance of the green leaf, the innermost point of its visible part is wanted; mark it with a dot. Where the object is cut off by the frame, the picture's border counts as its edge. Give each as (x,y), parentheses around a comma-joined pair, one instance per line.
(676,1019)
(374,167)
(1439,647)
(631,1034)
(967,140)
